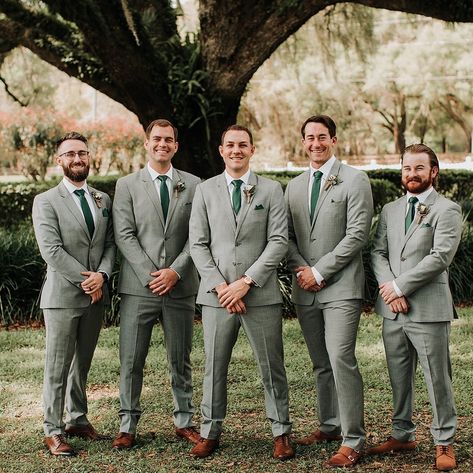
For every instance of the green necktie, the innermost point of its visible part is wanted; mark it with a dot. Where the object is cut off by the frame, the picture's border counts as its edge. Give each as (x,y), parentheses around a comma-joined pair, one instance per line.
(314,195)
(164,195)
(410,212)
(89,219)
(236,195)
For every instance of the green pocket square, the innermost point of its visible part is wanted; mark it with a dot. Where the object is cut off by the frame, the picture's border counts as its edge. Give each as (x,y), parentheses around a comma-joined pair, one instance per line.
(259,207)
(105,212)
(426,225)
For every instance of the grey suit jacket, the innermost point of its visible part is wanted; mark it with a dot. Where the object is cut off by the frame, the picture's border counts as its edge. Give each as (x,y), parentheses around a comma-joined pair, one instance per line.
(336,236)
(66,246)
(145,241)
(418,261)
(224,248)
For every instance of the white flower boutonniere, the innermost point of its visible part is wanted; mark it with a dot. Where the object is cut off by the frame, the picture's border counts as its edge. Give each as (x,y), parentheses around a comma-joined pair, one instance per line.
(422,211)
(97,196)
(249,191)
(332,181)
(179,187)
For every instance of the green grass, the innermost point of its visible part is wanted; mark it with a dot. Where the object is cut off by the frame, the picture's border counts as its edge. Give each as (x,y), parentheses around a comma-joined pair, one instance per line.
(246,443)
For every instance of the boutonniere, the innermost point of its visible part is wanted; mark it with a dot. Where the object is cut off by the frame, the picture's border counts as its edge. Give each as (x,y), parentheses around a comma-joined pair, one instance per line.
(332,181)
(422,211)
(179,187)
(97,196)
(248,191)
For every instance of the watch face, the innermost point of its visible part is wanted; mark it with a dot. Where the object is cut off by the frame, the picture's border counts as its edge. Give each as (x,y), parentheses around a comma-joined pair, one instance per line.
(248,280)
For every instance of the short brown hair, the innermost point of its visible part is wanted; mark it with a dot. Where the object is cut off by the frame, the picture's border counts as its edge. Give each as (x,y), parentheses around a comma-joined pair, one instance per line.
(163,123)
(72,135)
(237,128)
(419,148)
(325,120)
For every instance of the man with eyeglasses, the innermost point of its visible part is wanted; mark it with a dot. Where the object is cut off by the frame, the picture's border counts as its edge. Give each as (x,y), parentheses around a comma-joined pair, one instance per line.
(74,231)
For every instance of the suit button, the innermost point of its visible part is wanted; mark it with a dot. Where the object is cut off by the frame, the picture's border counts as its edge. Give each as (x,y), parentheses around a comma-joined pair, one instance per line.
(237,244)
(166,238)
(403,259)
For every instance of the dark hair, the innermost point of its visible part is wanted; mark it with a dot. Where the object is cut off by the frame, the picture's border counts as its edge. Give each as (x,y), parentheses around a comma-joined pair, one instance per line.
(237,128)
(163,123)
(325,120)
(419,148)
(72,135)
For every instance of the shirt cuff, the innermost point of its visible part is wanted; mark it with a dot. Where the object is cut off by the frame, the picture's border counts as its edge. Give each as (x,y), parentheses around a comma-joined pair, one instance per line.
(318,277)
(397,290)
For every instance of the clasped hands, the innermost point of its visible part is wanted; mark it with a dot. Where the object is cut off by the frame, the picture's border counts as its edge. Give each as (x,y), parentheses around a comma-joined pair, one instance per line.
(230,296)
(92,285)
(389,295)
(164,281)
(306,279)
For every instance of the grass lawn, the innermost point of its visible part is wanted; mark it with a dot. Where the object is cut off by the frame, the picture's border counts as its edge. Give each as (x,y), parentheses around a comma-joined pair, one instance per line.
(246,443)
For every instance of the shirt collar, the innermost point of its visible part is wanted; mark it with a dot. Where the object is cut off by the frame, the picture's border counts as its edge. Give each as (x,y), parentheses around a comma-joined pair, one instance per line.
(245,178)
(71,187)
(422,197)
(325,168)
(154,175)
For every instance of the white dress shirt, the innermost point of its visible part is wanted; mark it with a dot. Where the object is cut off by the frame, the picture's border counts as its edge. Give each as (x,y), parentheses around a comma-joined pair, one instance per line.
(245,178)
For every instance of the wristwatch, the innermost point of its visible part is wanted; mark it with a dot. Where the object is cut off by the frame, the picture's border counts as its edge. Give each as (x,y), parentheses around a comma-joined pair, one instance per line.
(248,280)
(104,275)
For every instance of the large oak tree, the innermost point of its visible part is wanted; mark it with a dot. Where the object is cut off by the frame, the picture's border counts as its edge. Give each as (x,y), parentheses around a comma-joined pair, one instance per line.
(131,51)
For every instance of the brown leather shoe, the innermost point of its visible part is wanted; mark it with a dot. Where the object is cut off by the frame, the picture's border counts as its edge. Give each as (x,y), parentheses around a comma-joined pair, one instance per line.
(346,457)
(392,445)
(444,458)
(85,432)
(282,448)
(316,437)
(57,445)
(204,447)
(189,433)
(123,441)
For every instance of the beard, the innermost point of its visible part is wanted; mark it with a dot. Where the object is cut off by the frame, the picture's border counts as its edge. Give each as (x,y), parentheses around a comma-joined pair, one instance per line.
(417,185)
(78,174)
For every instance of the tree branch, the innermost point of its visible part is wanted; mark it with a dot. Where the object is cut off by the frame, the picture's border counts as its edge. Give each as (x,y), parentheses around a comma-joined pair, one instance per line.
(11,94)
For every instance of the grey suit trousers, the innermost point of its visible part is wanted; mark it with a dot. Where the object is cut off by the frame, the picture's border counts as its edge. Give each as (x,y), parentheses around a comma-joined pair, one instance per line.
(71,338)
(138,315)
(405,342)
(330,331)
(263,327)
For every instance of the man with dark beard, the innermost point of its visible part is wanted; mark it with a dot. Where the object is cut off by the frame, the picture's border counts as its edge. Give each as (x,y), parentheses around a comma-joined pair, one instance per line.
(415,242)
(73,227)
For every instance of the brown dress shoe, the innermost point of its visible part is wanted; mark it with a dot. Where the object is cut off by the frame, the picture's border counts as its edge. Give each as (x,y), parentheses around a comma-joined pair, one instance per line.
(204,447)
(189,433)
(392,445)
(123,441)
(58,446)
(444,458)
(282,448)
(85,432)
(316,437)
(346,457)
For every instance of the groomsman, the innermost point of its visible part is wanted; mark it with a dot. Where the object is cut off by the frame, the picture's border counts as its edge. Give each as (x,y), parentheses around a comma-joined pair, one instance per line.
(73,227)
(238,236)
(415,242)
(158,281)
(330,209)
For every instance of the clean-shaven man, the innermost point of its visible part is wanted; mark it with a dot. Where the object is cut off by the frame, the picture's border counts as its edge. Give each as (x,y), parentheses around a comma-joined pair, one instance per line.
(415,242)
(329,210)
(73,227)
(158,280)
(238,236)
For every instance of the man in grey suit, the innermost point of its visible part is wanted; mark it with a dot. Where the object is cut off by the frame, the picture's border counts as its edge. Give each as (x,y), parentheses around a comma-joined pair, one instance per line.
(238,236)
(415,242)
(73,227)
(158,280)
(330,209)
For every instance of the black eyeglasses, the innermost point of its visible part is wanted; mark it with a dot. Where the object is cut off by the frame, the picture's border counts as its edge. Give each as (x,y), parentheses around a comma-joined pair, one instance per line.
(72,154)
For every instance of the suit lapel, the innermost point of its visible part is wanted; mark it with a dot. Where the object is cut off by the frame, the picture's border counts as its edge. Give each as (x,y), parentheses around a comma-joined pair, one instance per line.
(175,196)
(222,190)
(99,218)
(245,206)
(73,208)
(301,194)
(152,193)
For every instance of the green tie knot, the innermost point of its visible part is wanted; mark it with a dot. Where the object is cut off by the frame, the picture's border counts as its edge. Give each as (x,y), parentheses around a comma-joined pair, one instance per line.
(79,192)
(413,200)
(162,178)
(318,175)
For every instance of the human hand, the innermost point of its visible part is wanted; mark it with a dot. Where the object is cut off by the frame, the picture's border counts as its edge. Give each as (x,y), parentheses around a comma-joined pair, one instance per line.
(96,296)
(387,292)
(163,282)
(232,293)
(92,282)
(399,305)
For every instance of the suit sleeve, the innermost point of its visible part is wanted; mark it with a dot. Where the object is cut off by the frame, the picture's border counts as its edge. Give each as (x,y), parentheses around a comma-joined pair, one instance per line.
(359,215)
(446,239)
(199,243)
(380,251)
(48,236)
(125,234)
(109,251)
(276,248)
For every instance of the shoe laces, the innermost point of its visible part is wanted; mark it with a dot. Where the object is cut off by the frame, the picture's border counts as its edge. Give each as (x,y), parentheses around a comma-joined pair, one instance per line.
(444,449)
(59,439)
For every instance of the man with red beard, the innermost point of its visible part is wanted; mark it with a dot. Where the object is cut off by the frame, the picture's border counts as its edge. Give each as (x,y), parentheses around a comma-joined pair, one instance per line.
(415,242)
(73,227)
